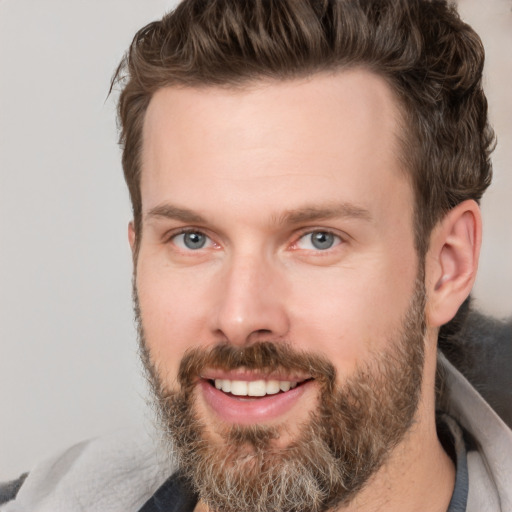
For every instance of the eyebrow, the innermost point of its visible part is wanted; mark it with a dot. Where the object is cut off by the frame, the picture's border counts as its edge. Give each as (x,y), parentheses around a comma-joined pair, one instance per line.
(314,213)
(168,211)
(290,217)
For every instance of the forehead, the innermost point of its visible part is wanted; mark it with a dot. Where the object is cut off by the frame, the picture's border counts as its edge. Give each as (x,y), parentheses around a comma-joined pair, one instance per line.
(288,136)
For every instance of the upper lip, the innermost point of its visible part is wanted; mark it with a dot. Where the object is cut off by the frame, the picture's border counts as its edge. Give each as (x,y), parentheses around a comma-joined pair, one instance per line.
(252,375)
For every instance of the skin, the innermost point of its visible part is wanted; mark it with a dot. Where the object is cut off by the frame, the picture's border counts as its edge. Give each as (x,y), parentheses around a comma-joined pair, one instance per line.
(256,170)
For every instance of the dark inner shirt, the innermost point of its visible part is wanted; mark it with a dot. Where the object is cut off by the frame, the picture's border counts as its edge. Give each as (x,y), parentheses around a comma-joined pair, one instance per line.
(176,493)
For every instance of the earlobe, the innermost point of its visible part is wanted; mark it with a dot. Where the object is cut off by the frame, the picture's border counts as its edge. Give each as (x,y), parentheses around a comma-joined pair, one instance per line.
(452,261)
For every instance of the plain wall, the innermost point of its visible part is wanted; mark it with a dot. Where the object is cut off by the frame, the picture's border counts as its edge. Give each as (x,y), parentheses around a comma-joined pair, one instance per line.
(68,362)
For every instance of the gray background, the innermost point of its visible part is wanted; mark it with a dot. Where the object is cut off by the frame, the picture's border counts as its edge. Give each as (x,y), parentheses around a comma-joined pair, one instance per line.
(68,364)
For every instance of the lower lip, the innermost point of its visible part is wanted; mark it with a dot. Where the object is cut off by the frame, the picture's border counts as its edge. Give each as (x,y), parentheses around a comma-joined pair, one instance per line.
(247,410)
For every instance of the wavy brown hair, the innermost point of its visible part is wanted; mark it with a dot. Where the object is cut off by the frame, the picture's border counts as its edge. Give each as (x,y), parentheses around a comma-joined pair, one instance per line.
(432,60)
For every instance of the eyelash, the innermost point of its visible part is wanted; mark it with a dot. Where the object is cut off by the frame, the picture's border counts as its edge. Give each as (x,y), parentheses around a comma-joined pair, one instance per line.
(184,231)
(170,237)
(303,234)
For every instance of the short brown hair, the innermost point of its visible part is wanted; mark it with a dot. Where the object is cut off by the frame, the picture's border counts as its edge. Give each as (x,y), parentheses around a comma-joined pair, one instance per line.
(432,60)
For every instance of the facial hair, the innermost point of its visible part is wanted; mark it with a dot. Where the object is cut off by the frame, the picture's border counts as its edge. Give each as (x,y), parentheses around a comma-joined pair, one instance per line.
(344,441)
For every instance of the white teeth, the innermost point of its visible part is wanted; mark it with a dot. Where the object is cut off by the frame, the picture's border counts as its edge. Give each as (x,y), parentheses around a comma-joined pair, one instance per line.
(257,388)
(285,386)
(239,387)
(272,387)
(254,387)
(226,385)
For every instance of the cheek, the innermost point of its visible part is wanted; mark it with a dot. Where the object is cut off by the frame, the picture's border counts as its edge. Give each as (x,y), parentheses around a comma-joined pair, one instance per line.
(172,309)
(351,314)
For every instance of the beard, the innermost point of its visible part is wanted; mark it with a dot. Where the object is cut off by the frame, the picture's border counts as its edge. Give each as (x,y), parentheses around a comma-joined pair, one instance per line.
(333,454)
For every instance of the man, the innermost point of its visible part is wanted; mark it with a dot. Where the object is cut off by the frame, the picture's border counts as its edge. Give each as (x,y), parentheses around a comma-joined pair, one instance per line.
(305,178)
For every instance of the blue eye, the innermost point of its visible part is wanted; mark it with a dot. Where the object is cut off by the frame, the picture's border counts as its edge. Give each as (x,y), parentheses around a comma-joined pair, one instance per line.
(191,240)
(318,240)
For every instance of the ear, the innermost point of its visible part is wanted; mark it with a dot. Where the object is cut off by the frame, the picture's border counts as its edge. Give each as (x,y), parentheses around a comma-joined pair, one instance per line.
(131,236)
(452,261)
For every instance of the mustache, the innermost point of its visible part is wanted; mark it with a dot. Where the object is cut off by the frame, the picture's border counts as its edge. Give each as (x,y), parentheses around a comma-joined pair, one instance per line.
(265,356)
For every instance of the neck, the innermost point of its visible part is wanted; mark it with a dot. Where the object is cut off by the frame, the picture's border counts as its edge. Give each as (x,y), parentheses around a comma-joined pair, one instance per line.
(418,476)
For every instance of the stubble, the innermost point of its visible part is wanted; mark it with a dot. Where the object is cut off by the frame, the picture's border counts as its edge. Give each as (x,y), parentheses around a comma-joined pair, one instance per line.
(343,442)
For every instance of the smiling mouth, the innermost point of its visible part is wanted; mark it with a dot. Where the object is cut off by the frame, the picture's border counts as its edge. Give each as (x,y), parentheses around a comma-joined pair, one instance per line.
(255,388)
(247,398)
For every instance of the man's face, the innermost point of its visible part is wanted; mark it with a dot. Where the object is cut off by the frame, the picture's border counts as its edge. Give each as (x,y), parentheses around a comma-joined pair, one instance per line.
(277,226)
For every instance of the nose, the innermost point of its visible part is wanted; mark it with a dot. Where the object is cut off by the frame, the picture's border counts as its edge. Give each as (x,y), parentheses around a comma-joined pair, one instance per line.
(251,302)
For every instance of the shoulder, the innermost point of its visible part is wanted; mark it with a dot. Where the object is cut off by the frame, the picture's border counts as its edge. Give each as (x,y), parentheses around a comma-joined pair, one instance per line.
(112,473)
(482,352)
(489,441)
